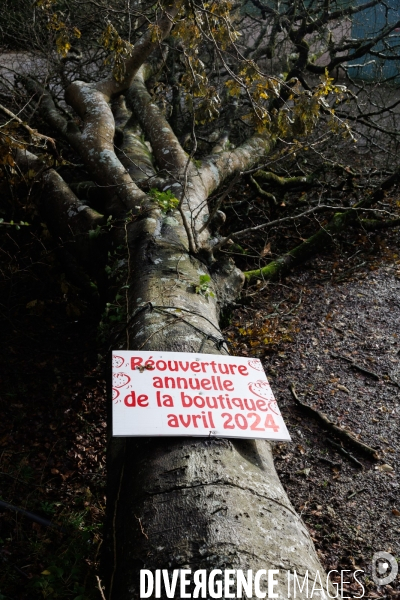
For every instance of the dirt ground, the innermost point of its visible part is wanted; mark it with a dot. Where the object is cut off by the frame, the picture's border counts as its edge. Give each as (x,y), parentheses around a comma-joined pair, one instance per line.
(352,511)
(319,327)
(309,330)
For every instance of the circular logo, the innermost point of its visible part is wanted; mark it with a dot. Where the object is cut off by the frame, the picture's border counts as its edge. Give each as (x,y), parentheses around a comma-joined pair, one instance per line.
(384,568)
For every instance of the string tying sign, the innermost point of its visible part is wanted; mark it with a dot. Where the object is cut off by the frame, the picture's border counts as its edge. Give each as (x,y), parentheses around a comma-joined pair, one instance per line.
(177,393)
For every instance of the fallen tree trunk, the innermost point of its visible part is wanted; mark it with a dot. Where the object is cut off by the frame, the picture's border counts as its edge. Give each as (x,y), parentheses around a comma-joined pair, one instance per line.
(181,503)
(175,502)
(194,503)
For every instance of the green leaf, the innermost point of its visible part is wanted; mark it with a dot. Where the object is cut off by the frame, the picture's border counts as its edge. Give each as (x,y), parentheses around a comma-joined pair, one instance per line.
(204,279)
(166,200)
(94,233)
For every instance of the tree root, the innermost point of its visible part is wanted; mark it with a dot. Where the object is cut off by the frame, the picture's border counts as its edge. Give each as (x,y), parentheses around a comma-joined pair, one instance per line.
(342,433)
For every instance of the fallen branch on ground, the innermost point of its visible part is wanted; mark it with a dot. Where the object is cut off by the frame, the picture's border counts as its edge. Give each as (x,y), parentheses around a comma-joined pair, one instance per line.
(310,246)
(334,465)
(356,492)
(321,238)
(356,366)
(31,516)
(263,192)
(301,180)
(344,452)
(334,428)
(374,224)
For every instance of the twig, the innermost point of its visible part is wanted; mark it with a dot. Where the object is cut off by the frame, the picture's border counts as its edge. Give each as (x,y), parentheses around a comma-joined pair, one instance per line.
(332,427)
(32,132)
(344,274)
(263,192)
(5,559)
(30,515)
(243,232)
(363,206)
(371,374)
(356,492)
(128,274)
(15,478)
(393,380)
(141,527)
(100,588)
(158,331)
(334,355)
(114,521)
(345,453)
(220,201)
(330,462)
(360,368)
(190,231)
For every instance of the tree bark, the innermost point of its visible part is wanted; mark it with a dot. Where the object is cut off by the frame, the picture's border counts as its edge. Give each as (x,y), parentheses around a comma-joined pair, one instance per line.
(191,503)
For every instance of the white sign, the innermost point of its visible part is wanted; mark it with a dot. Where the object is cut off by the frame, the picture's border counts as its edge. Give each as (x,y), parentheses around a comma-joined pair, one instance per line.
(176,393)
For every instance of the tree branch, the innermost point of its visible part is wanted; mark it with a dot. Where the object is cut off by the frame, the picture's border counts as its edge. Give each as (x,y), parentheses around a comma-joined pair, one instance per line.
(216,168)
(32,132)
(47,105)
(361,51)
(244,232)
(67,214)
(143,48)
(167,150)
(374,224)
(284,263)
(134,154)
(96,144)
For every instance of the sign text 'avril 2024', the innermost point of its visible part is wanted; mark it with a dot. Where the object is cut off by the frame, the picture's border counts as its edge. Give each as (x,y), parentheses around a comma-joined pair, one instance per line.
(176,393)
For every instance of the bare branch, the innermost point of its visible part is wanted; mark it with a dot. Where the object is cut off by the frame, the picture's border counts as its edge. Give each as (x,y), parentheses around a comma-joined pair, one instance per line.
(32,132)
(167,150)
(240,234)
(143,48)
